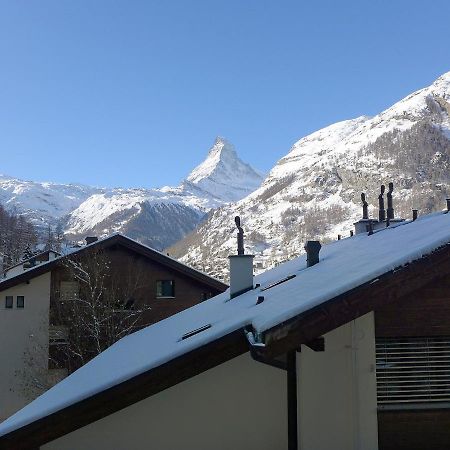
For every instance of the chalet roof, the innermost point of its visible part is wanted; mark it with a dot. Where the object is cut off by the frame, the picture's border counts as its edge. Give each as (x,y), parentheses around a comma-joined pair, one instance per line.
(393,259)
(38,257)
(110,241)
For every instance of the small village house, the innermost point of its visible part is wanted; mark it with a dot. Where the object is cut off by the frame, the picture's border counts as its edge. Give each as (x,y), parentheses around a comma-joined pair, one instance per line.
(346,347)
(35,329)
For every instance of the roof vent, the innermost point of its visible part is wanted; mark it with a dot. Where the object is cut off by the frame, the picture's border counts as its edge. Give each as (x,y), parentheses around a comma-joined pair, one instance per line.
(414,212)
(91,239)
(381,210)
(365,206)
(390,208)
(312,251)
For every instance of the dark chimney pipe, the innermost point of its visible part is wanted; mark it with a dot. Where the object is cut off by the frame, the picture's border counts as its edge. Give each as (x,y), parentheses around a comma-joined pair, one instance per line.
(365,205)
(414,211)
(381,210)
(390,208)
(351,233)
(312,251)
(448,204)
(339,237)
(240,235)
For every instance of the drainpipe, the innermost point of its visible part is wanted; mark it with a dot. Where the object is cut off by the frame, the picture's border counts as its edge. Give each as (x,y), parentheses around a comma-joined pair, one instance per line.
(292,400)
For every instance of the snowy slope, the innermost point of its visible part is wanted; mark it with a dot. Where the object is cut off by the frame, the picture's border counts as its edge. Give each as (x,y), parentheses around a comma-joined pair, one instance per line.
(223,175)
(343,265)
(42,201)
(314,190)
(156,217)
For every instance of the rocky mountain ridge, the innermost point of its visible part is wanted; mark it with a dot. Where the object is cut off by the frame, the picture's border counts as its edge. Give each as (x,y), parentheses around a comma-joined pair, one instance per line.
(314,191)
(157,217)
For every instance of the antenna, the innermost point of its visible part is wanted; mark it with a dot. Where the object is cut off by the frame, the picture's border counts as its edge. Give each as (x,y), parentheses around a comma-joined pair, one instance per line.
(240,235)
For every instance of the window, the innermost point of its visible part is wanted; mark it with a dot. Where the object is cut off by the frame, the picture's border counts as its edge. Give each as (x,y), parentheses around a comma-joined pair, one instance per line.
(165,288)
(58,335)
(413,372)
(20,301)
(70,290)
(9,301)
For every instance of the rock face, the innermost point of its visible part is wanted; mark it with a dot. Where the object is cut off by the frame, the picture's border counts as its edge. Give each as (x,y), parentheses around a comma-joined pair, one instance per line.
(156,217)
(223,175)
(314,191)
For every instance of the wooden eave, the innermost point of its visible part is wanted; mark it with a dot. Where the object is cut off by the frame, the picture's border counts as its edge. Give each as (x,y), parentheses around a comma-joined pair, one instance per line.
(287,336)
(123,242)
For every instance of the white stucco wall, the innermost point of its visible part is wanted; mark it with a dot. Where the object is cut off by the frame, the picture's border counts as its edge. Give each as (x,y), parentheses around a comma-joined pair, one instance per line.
(337,390)
(22,330)
(238,405)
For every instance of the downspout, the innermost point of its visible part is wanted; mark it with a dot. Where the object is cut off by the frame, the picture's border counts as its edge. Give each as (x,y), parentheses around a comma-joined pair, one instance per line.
(291,361)
(290,366)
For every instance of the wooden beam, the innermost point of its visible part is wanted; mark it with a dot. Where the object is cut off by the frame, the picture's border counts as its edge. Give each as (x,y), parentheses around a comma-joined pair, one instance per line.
(317,345)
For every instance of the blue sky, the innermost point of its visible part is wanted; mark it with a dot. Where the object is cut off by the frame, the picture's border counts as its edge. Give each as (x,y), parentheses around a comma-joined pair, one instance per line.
(132,93)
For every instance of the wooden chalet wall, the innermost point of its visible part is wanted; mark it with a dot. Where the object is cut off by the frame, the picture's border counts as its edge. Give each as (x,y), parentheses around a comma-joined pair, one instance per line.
(424,313)
(123,262)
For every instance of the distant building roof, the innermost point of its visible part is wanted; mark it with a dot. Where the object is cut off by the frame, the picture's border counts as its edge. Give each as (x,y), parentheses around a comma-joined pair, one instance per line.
(328,294)
(115,239)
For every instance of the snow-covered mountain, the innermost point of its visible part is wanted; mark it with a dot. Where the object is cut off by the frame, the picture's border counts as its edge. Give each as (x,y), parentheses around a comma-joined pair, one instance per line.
(223,175)
(314,191)
(157,217)
(42,202)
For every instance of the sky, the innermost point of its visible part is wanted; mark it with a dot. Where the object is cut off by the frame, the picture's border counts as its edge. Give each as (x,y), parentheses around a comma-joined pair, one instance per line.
(132,93)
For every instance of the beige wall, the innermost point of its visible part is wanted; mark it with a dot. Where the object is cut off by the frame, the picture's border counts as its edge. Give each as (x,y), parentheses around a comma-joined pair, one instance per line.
(242,405)
(22,331)
(337,390)
(238,405)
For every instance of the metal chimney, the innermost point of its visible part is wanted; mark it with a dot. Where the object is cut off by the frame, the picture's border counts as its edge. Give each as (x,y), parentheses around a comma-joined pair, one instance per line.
(381,210)
(365,206)
(312,252)
(390,208)
(241,266)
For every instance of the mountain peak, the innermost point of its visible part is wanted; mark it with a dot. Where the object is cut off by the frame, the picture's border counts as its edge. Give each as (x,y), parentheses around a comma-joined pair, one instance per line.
(223,174)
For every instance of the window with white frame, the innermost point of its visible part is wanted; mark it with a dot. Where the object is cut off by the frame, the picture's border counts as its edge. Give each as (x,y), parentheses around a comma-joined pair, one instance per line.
(413,372)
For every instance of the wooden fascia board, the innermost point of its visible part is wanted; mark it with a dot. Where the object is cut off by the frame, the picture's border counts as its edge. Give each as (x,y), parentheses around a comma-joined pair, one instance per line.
(352,304)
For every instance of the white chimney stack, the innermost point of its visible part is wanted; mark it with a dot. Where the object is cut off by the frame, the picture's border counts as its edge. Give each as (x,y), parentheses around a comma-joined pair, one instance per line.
(241,266)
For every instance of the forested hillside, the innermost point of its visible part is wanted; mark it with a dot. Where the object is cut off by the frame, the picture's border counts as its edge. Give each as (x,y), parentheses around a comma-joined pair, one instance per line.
(16,236)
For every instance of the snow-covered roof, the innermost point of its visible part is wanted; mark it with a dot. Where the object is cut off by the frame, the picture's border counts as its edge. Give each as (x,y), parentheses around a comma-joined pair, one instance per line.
(343,265)
(115,238)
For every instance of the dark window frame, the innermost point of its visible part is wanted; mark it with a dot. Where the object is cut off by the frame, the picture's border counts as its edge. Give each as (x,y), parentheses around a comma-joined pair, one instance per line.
(20,305)
(9,301)
(165,288)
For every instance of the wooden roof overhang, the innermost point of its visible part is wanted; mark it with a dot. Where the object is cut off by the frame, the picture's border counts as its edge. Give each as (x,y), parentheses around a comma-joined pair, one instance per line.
(289,335)
(116,240)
